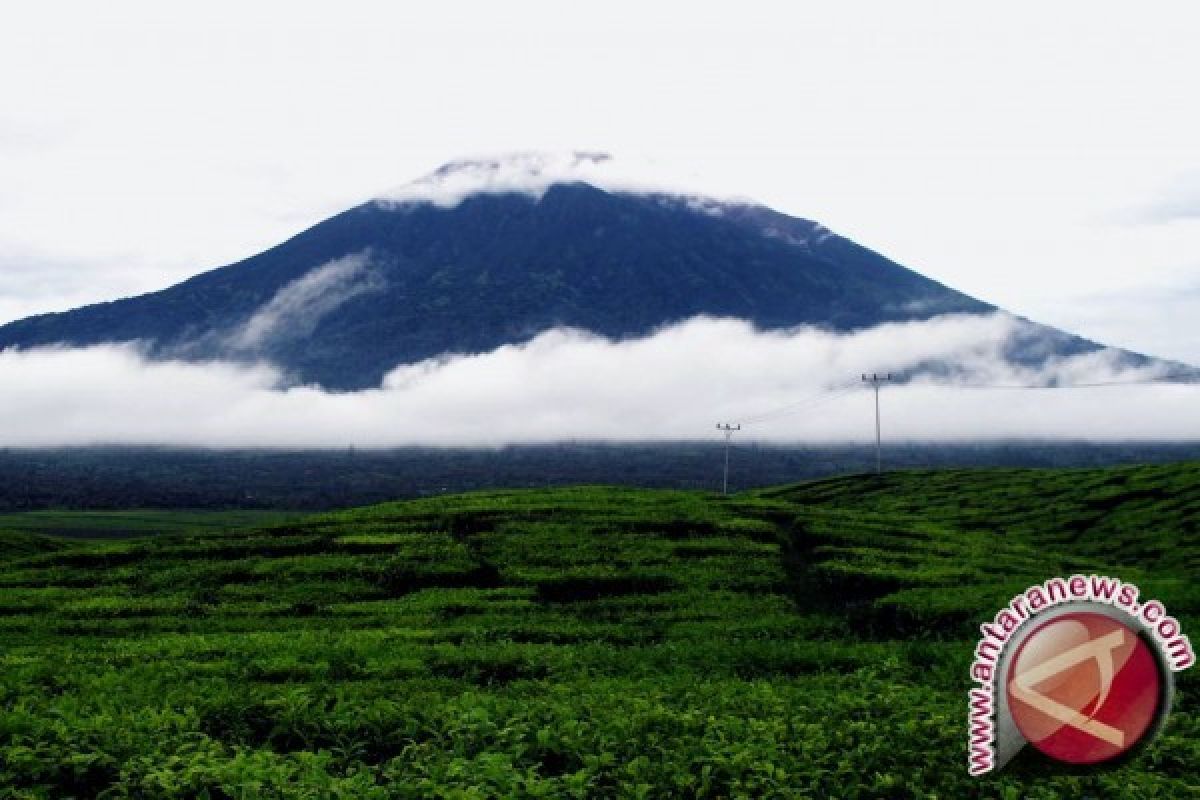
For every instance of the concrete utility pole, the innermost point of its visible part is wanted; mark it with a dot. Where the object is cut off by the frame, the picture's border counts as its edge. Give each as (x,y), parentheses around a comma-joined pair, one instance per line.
(876,380)
(728,430)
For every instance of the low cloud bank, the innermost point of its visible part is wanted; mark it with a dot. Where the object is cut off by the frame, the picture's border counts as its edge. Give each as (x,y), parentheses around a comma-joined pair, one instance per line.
(675,384)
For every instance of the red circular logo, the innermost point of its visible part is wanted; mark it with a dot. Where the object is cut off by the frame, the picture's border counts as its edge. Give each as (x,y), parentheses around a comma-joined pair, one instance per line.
(1084,688)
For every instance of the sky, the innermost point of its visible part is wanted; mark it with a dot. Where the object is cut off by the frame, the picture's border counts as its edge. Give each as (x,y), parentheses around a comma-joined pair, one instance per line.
(1042,157)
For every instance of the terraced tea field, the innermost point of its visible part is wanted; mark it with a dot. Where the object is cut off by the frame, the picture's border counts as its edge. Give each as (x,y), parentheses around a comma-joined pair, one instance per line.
(138,522)
(805,641)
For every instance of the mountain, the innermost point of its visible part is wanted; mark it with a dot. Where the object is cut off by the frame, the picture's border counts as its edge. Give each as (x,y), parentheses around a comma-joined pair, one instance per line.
(486,253)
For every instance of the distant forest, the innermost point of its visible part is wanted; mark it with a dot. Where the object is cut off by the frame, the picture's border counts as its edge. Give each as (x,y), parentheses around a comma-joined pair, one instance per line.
(117,478)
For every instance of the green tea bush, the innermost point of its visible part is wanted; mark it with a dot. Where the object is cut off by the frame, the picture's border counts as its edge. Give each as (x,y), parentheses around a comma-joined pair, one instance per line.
(806,641)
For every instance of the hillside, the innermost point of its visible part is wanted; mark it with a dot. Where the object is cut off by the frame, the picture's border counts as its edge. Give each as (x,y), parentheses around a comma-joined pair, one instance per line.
(396,281)
(809,640)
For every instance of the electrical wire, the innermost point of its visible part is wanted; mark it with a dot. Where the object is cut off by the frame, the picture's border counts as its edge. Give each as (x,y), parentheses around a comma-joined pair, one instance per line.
(1092,385)
(839,390)
(806,403)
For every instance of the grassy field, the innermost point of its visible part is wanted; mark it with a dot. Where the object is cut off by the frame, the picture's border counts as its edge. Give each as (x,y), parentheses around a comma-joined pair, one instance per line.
(127,524)
(805,641)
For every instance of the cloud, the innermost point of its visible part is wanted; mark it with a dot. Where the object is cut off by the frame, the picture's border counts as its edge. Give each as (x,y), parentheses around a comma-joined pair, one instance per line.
(296,309)
(532,173)
(33,281)
(565,384)
(1150,319)
(1178,200)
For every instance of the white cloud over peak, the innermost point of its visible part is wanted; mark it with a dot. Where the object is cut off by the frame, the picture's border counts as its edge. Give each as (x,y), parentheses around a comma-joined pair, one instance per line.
(800,385)
(532,173)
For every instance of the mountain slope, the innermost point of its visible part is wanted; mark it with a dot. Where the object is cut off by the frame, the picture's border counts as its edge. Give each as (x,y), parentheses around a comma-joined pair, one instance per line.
(398,281)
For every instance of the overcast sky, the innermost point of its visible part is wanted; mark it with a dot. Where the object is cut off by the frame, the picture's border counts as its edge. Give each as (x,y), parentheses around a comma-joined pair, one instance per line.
(1042,156)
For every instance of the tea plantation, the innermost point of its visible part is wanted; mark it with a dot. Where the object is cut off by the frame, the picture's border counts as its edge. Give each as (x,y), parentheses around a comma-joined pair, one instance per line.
(804,641)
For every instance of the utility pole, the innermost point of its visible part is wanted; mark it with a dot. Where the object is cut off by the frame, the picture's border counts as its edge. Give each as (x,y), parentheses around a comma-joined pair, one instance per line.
(875,379)
(728,430)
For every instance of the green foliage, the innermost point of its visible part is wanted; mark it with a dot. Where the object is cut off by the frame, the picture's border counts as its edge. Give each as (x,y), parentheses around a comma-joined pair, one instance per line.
(808,641)
(121,524)
(900,545)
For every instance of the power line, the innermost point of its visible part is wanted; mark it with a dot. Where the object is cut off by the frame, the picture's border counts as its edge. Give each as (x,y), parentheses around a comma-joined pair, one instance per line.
(728,430)
(1091,385)
(806,402)
(837,391)
(875,379)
